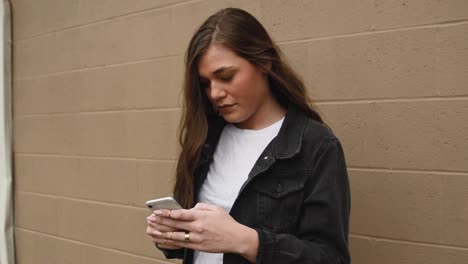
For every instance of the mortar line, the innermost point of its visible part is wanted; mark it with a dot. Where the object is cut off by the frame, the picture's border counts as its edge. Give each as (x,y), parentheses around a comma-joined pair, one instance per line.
(24,229)
(393,100)
(66,156)
(377,31)
(351,168)
(318,103)
(409,242)
(97,67)
(128,110)
(382,169)
(148,10)
(83,200)
(108,19)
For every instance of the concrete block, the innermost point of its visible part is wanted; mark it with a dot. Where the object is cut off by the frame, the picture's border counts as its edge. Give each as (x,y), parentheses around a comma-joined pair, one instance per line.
(399,14)
(152,84)
(389,252)
(404,134)
(41,248)
(34,247)
(136,134)
(452,60)
(425,207)
(360,249)
(311,19)
(32,18)
(385,65)
(126,182)
(37,213)
(455,210)
(397,64)
(154,180)
(397,205)
(110,42)
(103,225)
(404,252)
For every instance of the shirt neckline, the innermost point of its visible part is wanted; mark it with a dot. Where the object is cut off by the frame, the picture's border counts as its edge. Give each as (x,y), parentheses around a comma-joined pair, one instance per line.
(235,129)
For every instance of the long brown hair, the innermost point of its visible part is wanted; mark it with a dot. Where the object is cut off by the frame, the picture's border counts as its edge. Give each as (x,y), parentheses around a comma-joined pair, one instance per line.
(242,33)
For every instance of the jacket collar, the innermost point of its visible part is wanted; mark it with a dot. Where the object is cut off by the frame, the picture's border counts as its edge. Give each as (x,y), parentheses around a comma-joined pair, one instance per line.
(285,145)
(289,139)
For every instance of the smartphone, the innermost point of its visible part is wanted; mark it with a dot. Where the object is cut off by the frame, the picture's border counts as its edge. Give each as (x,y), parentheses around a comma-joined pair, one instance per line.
(163,203)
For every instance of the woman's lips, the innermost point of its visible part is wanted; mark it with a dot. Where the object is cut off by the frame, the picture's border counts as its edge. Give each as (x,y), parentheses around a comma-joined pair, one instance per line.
(226,108)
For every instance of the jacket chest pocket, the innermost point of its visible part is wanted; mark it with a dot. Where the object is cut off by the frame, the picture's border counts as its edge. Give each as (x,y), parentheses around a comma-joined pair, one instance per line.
(279,201)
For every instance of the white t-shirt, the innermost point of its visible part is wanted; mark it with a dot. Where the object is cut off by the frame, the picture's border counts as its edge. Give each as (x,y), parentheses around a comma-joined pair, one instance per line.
(234,157)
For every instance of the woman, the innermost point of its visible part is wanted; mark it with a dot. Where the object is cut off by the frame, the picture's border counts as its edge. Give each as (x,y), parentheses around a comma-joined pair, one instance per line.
(265,179)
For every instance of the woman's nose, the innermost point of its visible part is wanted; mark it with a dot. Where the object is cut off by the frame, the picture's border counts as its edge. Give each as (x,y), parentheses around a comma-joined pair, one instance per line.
(217,92)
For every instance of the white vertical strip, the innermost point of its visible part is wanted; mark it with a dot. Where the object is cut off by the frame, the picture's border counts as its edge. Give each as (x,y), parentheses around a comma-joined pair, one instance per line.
(7,255)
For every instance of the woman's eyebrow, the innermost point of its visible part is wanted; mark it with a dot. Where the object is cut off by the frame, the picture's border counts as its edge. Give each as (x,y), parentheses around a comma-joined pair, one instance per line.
(217,72)
(224,68)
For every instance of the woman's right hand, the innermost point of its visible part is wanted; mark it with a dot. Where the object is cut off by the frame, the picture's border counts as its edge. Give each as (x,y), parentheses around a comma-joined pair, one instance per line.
(154,231)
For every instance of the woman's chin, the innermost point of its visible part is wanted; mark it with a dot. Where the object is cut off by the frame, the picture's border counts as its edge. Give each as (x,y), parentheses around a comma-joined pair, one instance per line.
(232,119)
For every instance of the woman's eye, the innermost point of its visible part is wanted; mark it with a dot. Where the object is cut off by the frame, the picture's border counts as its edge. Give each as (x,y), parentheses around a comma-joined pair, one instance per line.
(226,78)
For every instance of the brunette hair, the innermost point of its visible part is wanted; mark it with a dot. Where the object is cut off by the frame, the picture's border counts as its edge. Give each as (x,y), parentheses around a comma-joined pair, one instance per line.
(243,34)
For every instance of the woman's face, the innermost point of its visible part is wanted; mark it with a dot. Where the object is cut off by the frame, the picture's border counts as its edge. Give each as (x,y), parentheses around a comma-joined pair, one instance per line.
(236,88)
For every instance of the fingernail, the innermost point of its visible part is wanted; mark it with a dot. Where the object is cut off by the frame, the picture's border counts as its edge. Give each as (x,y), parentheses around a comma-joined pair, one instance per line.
(157,233)
(157,212)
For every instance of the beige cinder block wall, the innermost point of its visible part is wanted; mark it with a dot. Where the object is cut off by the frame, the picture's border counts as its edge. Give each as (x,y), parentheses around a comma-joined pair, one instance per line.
(96,109)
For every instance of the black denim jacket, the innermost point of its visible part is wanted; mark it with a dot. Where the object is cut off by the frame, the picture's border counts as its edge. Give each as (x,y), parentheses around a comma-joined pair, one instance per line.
(296,197)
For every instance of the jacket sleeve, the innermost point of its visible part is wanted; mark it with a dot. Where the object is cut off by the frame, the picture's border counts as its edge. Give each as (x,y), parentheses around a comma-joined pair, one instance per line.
(171,253)
(322,235)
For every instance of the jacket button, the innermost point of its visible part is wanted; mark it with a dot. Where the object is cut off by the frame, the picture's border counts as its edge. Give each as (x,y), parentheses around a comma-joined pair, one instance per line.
(279,188)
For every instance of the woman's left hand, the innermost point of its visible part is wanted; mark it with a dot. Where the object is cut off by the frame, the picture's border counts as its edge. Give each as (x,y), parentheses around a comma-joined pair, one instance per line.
(208,228)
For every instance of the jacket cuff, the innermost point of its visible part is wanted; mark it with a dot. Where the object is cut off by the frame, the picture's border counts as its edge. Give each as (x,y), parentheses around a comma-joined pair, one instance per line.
(171,253)
(266,247)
